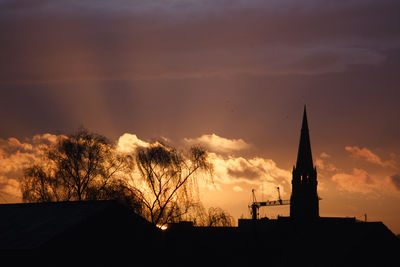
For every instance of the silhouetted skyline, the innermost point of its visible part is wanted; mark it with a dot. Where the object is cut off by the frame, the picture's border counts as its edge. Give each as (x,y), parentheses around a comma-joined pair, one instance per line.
(232,77)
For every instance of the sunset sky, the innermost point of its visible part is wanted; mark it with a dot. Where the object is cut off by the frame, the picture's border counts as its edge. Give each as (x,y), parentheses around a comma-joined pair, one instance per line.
(232,75)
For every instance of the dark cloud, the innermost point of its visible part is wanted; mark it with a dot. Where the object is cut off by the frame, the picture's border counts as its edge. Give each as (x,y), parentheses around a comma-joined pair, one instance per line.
(247,174)
(395,179)
(123,40)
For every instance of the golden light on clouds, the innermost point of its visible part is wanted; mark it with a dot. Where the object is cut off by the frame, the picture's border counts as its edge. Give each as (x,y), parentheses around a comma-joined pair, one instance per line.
(217,143)
(356,181)
(128,143)
(237,170)
(368,155)
(228,168)
(322,163)
(360,181)
(251,171)
(15,156)
(241,172)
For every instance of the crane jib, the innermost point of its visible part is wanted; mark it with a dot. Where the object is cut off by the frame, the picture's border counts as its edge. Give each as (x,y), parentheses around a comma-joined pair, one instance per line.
(273,203)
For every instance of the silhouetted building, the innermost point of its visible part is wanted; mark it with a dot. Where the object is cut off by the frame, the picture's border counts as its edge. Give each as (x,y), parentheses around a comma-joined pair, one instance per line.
(305,238)
(105,233)
(82,233)
(322,243)
(304,201)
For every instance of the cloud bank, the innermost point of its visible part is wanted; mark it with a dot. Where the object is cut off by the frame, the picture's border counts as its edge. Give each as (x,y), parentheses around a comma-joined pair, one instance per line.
(236,171)
(228,169)
(216,143)
(358,181)
(368,155)
(256,172)
(125,40)
(128,143)
(239,172)
(15,156)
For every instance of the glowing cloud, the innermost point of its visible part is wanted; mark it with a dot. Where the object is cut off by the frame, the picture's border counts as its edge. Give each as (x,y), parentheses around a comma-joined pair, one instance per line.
(255,171)
(219,144)
(128,143)
(369,156)
(358,181)
(237,188)
(325,155)
(15,156)
(321,163)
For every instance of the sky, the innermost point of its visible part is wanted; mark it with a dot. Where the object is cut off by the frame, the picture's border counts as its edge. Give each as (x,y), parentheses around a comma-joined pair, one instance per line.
(233,76)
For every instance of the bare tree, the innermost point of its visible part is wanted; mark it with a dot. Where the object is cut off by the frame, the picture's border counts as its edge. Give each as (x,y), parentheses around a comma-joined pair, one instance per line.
(168,183)
(218,217)
(39,185)
(213,217)
(85,166)
(79,167)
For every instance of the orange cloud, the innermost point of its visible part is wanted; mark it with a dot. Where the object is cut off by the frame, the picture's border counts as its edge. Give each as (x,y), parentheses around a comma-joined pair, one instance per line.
(128,143)
(325,155)
(230,169)
(321,163)
(15,156)
(257,172)
(369,156)
(358,181)
(237,188)
(219,144)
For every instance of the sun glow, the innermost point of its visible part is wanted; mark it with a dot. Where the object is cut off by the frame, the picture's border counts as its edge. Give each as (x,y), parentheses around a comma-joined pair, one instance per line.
(162,227)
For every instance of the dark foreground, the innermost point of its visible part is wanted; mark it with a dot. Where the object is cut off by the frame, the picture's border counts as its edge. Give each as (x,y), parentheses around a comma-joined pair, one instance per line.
(105,233)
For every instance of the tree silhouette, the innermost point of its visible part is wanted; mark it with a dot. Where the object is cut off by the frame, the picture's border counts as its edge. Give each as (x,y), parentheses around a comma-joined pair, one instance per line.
(86,166)
(168,182)
(213,217)
(82,166)
(217,217)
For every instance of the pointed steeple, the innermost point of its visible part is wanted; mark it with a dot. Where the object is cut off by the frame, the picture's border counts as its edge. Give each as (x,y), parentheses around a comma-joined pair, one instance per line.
(304,162)
(304,202)
(305,123)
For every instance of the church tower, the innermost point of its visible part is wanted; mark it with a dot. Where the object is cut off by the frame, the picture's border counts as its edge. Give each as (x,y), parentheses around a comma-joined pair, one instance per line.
(304,201)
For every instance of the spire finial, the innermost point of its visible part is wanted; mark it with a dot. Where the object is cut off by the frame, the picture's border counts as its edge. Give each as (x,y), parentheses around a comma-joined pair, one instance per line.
(305,123)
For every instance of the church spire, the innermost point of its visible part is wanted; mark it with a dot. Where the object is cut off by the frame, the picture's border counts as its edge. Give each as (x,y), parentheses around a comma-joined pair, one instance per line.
(304,155)
(304,201)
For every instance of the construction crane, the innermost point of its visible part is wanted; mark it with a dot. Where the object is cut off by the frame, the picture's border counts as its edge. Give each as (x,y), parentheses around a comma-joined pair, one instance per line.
(255,206)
